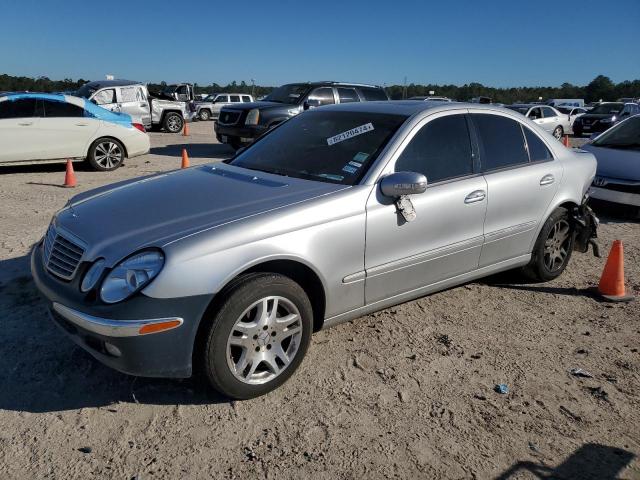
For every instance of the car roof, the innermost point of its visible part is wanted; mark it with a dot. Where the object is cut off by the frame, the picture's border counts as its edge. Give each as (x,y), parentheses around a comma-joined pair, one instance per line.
(111,83)
(36,95)
(408,107)
(333,83)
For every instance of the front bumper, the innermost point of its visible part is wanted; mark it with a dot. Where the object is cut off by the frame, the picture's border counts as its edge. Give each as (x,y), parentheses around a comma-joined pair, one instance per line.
(614,196)
(111,333)
(242,133)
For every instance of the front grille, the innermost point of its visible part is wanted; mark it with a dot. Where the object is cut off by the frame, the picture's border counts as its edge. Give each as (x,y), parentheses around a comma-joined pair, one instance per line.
(61,255)
(229,117)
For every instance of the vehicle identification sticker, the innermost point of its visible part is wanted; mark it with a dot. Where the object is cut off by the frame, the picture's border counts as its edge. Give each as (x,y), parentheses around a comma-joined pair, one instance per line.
(354,132)
(349,169)
(360,157)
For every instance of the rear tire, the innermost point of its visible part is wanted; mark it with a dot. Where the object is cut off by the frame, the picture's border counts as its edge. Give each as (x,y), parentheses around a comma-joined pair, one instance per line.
(173,122)
(258,336)
(552,250)
(106,154)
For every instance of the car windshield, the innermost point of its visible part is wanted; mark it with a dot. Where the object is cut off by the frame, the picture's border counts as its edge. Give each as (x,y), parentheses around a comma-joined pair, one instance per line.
(607,108)
(623,135)
(329,146)
(290,94)
(210,98)
(86,91)
(522,110)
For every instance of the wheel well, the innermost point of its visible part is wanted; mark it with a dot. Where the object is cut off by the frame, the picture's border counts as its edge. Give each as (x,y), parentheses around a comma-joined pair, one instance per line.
(126,154)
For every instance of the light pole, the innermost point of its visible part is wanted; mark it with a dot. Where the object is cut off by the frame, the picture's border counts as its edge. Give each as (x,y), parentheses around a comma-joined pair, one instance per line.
(253,87)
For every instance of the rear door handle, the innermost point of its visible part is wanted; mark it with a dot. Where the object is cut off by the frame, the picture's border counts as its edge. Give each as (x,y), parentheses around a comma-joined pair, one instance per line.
(548,179)
(82,124)
(475,196)
(25,124)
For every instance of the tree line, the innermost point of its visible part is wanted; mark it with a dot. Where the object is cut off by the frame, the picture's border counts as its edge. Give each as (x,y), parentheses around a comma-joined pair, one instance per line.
(600,88)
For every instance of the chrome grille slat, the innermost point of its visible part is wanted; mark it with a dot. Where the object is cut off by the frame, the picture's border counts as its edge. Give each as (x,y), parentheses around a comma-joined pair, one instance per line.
(61,255)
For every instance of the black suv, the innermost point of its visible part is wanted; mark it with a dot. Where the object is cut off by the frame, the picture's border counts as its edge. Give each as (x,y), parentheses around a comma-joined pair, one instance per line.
(241,124)
(603,116)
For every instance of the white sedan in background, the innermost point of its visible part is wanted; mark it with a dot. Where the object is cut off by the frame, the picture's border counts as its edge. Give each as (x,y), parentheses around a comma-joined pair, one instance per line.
(547,117)
(41,126)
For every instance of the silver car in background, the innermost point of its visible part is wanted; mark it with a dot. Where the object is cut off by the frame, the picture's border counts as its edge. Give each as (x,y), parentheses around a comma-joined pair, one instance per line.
(547,117)
(209,108)
(228,268)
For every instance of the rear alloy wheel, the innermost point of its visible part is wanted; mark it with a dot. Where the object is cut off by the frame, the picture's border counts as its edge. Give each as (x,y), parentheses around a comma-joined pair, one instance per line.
(106,154)
(204,115)
(558,132)
(553,247)
(258,336)
(173,122)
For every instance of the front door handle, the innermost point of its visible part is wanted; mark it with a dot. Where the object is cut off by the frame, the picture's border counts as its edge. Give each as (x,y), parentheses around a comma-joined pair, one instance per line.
(25,124)
(548,179)
(475,196)
(82,124)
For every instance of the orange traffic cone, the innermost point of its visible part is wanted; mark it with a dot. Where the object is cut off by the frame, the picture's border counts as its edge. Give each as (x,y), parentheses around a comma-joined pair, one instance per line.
(185,130)
(70,176)
(185,159)
(611,286)
(565,141)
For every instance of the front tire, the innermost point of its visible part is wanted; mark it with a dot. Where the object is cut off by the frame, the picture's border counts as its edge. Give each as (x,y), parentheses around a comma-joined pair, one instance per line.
(106,154)
(173,122)
(258,336)
(552,250)
(204,115)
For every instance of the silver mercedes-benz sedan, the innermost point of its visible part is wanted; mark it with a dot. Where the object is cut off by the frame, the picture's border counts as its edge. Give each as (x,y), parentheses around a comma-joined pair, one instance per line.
(228,268)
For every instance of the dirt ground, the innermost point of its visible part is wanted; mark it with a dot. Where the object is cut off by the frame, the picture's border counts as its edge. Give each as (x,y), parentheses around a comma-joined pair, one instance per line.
(404,393)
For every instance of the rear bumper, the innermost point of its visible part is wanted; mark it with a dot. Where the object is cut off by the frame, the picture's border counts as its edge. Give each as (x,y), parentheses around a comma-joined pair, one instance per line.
(111,333)
(615,196)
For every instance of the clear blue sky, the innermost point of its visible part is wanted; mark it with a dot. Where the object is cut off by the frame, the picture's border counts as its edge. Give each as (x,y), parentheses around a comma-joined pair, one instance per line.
(497,43)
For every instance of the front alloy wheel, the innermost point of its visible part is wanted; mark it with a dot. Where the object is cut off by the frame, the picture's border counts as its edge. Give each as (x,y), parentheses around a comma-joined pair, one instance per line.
(556,247)
(257,336)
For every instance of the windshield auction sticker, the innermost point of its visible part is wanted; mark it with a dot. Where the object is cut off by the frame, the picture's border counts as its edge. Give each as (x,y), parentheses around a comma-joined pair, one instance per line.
(354,132)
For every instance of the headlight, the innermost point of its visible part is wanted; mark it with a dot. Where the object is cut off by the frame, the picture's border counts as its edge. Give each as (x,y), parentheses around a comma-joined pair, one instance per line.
(92,276)
(608,120)
(294,111)
(252,117)
(130,275)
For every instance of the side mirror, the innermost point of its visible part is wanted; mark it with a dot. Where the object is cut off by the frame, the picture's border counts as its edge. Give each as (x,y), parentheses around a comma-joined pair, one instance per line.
(403,183)
(310,103)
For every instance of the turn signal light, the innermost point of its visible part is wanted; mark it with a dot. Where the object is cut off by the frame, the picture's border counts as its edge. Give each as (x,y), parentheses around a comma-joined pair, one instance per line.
(159,327)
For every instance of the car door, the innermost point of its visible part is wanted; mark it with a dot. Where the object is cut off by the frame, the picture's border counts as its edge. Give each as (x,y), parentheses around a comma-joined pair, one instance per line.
(347,95)
(219,102)
(522,178)
(134,102)
(321,96)
(20,137)
(446,237)
(66,129)
(107,99)
(551,119)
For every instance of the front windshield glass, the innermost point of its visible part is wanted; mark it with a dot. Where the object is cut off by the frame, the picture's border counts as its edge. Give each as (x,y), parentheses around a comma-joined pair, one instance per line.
(289,94)
(623,135)
(607,108)
(86,91)
(329,146)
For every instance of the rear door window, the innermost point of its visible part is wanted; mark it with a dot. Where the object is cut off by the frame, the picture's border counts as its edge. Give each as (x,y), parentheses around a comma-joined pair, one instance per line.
(347,95)
(246,99)
(441,150)
(53,109)
(23,108)
(373,94)
(235,98)
(501,141)
(538,151)
(128,94)
(548,112)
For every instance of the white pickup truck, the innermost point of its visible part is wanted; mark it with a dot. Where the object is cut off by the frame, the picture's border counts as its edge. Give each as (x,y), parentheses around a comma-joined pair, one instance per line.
(131,97)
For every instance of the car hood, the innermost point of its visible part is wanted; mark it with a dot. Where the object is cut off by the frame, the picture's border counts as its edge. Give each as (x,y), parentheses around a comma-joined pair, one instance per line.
(260,105)
(616,163)
(597,116)
(152,211)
